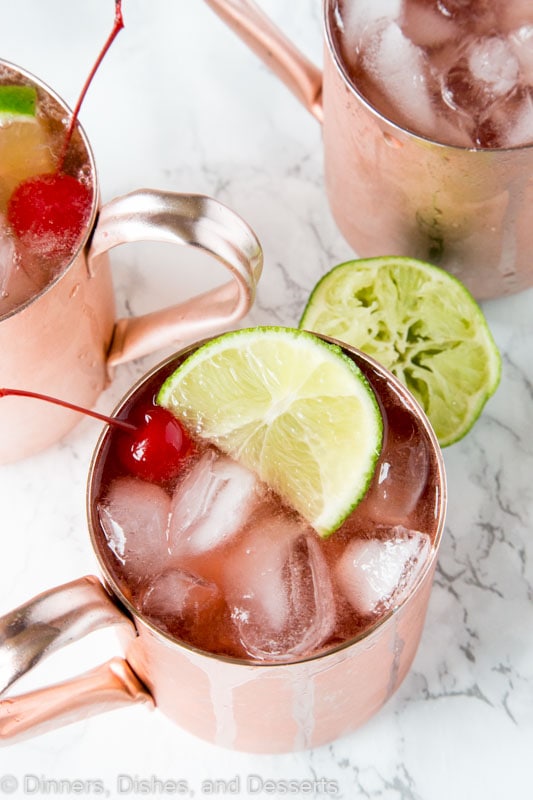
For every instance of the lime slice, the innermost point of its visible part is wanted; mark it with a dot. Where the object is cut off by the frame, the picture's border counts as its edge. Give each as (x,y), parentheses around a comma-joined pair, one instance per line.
(290,407)
(422,324)
(18,101)
(25,146)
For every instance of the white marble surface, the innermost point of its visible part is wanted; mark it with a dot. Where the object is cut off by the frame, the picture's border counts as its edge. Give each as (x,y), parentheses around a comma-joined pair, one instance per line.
(180,103)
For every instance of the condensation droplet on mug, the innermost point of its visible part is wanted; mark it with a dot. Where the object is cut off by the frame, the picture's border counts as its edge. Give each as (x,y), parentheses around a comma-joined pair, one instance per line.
(74,291)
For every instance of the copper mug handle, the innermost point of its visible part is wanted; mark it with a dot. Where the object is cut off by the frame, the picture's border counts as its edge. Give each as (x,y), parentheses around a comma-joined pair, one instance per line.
(268,42)
(184,219)
(43,625)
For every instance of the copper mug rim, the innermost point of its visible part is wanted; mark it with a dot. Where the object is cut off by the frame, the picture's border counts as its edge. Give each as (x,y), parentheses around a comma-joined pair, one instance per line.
(89,224)
(134,613)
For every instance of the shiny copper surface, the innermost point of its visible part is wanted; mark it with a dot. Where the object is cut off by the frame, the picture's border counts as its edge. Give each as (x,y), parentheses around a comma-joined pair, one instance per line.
(64,341)
(393,192)
(250,707)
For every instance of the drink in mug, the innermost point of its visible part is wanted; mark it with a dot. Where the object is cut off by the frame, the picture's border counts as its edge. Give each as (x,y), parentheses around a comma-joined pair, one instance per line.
(237,620)
(214,559)
(33,159)
(459,72)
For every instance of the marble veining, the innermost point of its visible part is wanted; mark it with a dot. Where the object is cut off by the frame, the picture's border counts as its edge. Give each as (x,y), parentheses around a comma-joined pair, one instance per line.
(181,104)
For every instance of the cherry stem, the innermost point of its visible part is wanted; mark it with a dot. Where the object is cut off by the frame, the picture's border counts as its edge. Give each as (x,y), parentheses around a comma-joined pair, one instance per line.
(119,423)
(117,27)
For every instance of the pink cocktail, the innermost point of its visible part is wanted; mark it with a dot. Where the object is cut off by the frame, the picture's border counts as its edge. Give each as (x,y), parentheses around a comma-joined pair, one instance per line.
(36,249)
(212,557)
(282,640)
(458,72)
(236,620)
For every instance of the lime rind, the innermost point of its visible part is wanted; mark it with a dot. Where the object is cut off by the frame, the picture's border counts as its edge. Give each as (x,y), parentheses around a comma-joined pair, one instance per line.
(18,102)
(421,323)
(289,406)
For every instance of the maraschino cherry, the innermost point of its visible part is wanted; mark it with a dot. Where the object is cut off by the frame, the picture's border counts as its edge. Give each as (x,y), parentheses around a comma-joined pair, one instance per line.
(152,443)
(157,447)
(47,212)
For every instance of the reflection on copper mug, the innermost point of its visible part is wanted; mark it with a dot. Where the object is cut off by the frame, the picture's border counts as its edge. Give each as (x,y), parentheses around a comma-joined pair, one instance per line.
(393,192)
(254,707)
(65,340)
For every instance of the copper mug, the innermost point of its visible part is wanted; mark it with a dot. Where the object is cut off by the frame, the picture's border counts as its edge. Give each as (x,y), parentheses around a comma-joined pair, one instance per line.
(66,339)
(227,701)
(393,192)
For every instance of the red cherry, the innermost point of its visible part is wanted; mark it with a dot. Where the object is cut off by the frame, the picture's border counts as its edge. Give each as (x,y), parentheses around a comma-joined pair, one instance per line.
(156,449)
(48,212)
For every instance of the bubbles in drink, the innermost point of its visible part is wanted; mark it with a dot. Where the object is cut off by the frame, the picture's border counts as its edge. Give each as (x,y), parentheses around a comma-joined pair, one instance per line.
(457,71)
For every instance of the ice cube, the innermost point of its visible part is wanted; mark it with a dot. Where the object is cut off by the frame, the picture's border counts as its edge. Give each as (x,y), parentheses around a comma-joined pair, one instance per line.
(399,70)
(22,274)
(377,574)
(359,22)
(279,590)
(134,519)
(400,477)
(357,16)
(211,504)
(425,25)
(493,65)
(177,595)
(17,283)
(518,129)
(189,607)
(481,75)
(521,43)
(507,123)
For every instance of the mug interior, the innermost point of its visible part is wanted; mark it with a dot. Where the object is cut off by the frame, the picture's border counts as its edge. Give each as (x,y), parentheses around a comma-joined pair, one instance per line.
(79,160)
(381,381)
(333,43)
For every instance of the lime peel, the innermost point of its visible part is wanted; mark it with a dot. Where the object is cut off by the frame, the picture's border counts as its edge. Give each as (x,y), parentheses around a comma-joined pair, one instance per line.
(292,408)
(419,322)
(18,101)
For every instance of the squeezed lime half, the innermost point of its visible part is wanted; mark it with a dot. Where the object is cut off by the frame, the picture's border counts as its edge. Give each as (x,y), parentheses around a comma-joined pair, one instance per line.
(422,324)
